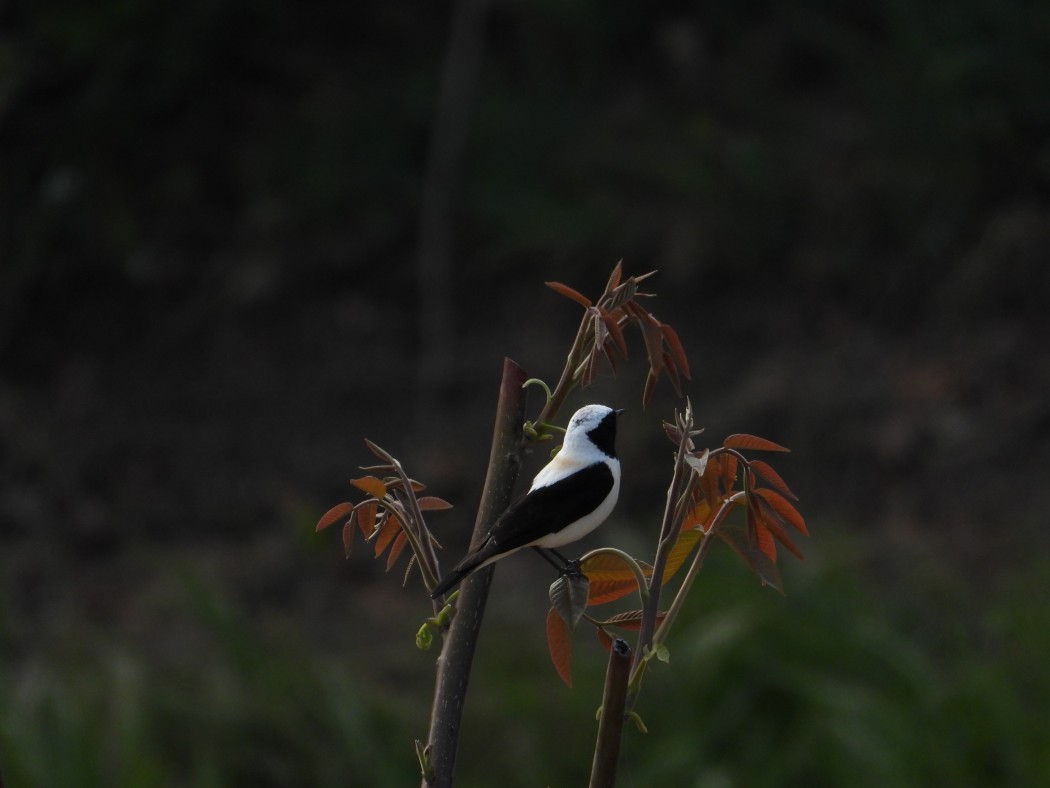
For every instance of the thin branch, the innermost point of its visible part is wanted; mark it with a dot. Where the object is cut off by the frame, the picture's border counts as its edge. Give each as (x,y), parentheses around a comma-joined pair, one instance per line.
(667,530)
(416,531)
(694,567)
(569,379)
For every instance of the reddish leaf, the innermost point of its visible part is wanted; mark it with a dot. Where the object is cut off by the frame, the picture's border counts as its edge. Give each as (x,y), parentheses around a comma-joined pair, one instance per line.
(751,442)
(730,466)
(590,373)
(610,578)
(784,509)
(765,470)
(366,518)
(698,518)
(772,521)
(605,591)
(568,292)
(606,566)
(604,638)
(766,543)
(672,373)
(614,277)
(613,326)
(642,278)
(623,294)
(737,537)
(431,503)
(395,551)
(568,595)
(408,569)
(387,531)
(654,341)
(559,643)
(709,483)
(725,469)
(671,431)
(379,452)
(601,331)
(680,552)
(348,536)
(752,535)
(336,514)
(674,344)
(610,358)
(370,485)
(631,620)
(396,483)
(650,388)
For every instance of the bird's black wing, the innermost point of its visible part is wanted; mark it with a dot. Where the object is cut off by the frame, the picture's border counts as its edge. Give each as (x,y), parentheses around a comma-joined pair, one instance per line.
(546,510)
(540,512)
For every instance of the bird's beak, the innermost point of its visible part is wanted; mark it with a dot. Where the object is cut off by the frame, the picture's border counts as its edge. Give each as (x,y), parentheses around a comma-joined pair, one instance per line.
(620,411)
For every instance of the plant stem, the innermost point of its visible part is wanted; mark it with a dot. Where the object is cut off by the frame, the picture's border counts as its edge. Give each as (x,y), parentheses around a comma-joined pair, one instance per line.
(610,726)
(694,567)
(417,535)
(568,380)
(667,528)
(457,655)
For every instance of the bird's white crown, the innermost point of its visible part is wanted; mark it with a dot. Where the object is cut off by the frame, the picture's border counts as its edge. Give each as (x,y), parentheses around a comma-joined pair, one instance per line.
(583,421)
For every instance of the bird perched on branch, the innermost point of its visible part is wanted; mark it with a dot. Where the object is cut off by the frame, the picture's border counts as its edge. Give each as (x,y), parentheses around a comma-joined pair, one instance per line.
(570,497)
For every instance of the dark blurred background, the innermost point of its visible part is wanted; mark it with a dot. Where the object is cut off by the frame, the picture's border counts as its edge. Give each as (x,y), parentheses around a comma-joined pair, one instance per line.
(238,237)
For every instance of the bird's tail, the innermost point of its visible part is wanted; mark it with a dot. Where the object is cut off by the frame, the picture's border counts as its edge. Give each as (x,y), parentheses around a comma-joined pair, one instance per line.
(473,560)
(451,579)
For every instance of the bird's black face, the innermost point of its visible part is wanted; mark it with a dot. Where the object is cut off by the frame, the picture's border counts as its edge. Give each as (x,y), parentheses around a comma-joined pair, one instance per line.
(603,435)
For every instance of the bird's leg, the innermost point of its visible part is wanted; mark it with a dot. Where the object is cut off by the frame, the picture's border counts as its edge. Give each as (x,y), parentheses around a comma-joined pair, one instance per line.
(569,567)
(565,561)
(572,568)
(546,554)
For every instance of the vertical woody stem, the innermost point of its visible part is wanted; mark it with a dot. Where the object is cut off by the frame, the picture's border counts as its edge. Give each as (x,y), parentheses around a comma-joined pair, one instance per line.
(457,655)
(614,707)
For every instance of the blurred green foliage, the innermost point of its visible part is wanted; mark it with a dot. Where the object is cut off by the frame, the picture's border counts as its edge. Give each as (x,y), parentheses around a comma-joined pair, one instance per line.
(245,709)
(823,687)
(889,159)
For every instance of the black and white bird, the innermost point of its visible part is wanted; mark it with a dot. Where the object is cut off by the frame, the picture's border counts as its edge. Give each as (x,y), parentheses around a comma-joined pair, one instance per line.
(570,497)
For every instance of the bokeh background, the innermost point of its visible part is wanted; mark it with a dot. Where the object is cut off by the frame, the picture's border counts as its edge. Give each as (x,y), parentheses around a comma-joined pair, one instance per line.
(238,237)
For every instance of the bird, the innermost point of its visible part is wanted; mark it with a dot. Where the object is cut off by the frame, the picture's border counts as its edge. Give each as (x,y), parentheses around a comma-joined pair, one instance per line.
(571,496)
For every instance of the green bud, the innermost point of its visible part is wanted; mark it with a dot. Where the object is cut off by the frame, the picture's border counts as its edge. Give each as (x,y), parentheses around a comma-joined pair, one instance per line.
(424,637)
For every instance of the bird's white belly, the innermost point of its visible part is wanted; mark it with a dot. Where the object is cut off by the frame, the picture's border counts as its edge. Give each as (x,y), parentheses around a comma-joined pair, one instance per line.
(584,525)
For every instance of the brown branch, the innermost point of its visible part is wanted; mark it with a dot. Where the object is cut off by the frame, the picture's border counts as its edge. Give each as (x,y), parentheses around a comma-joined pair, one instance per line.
(614,708)
(457,655)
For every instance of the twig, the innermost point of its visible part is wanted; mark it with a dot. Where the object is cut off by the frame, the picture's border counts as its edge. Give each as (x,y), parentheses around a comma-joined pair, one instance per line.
(679,483)
(695,566)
